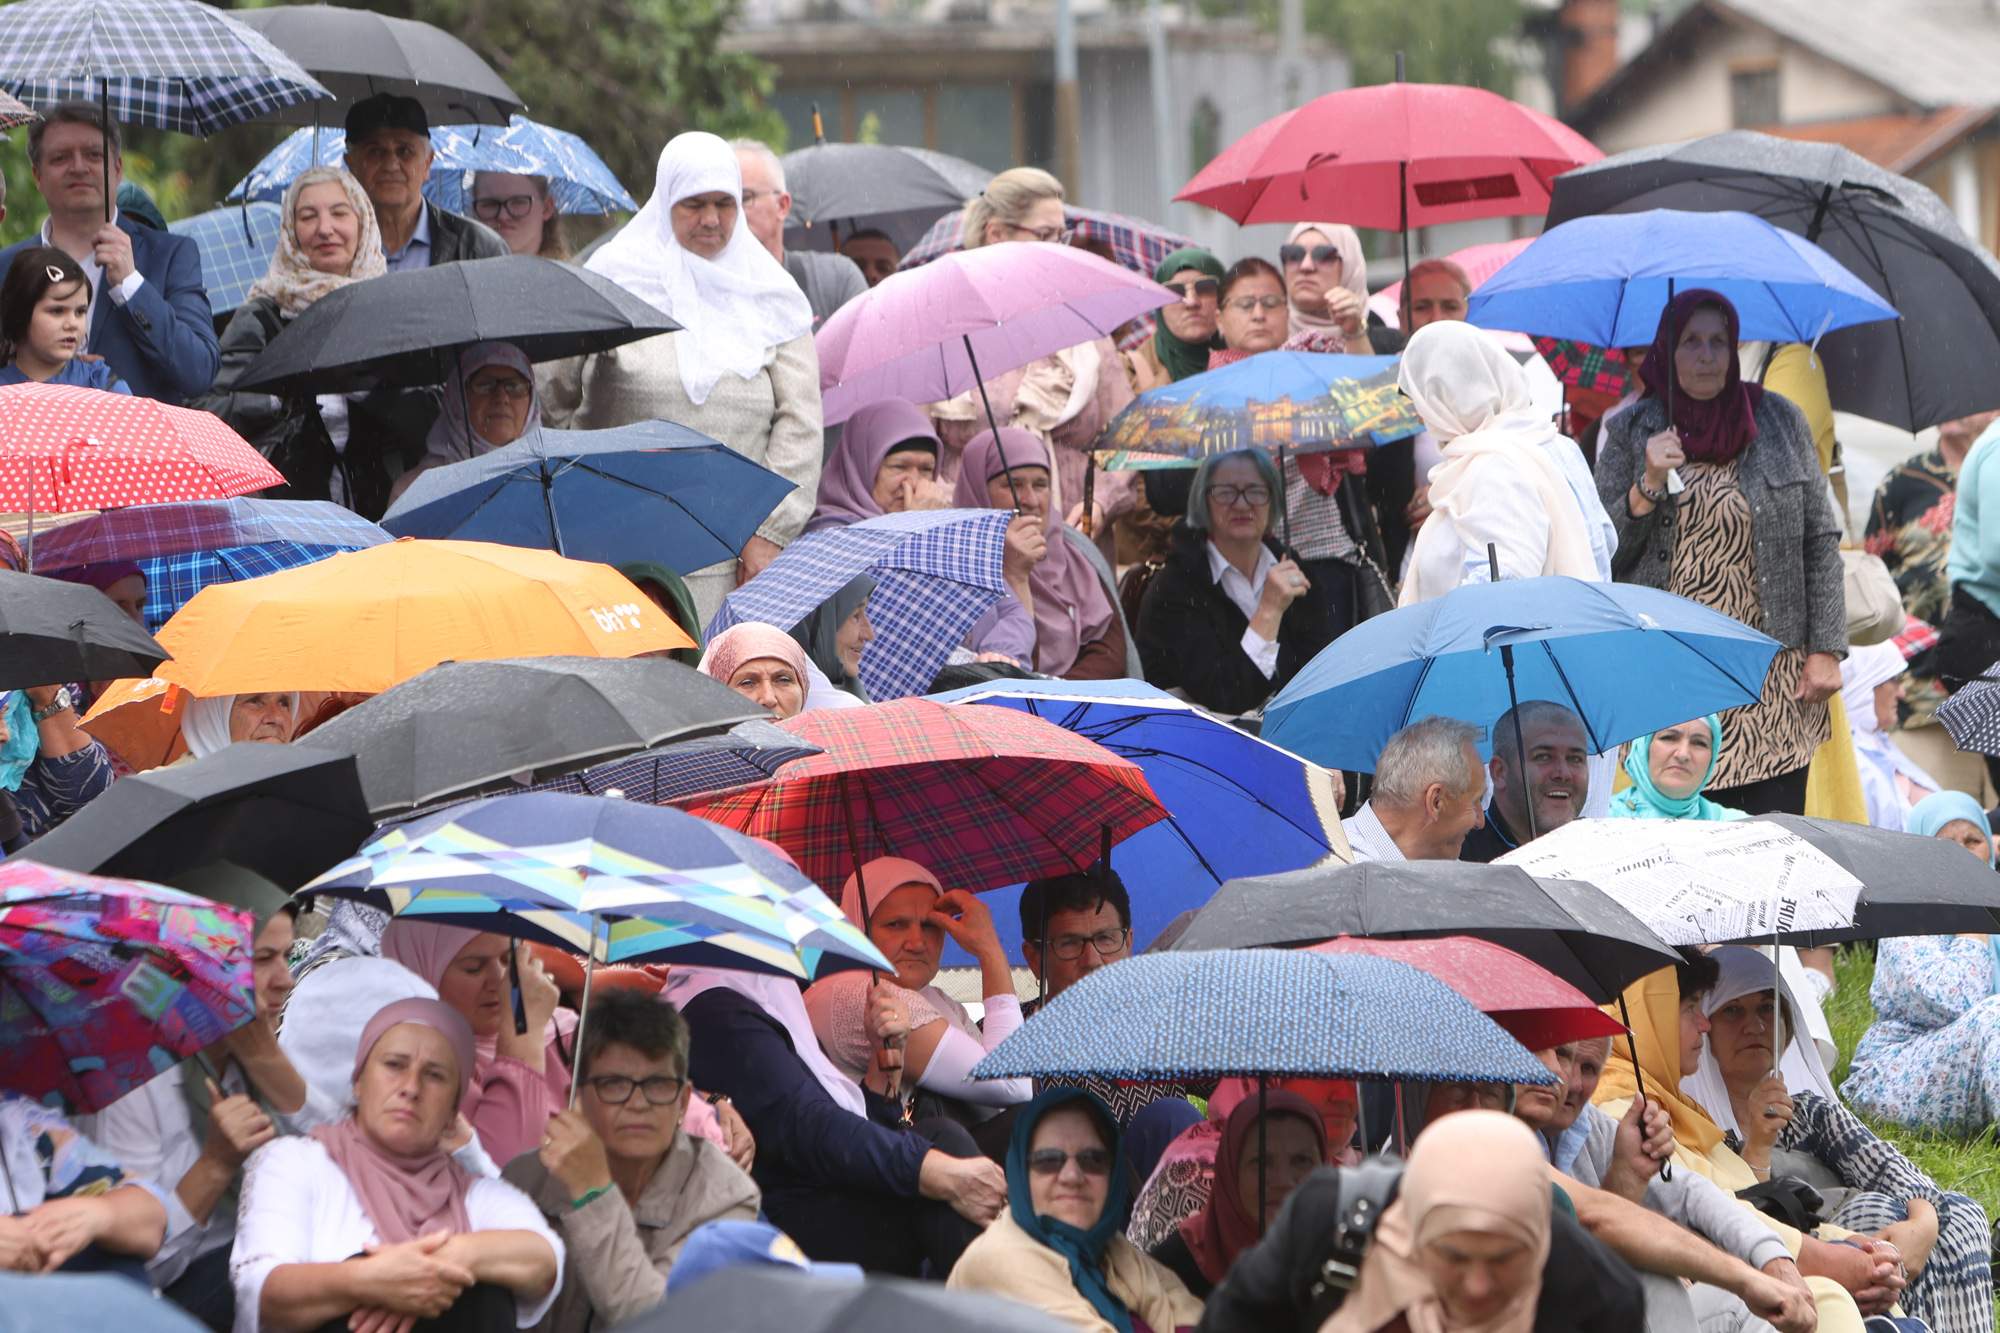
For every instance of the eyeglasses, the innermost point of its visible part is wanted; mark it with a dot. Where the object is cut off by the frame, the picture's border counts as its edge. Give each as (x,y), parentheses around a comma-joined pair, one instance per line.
(1248,303)
(1201,289)
(1228,496)
(515,206)
(1046,235)
(1106,942)
(616,1089)
(1322,255)
(513,386)
(1051,1161)
(752,196)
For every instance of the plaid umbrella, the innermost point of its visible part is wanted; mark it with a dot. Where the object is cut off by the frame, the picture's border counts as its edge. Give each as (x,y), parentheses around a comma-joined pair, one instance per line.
(236,247)
(1582,366)
(1312,402)
(752,752)
(14,113)
(983,796)
(1134,243)
(104,983)
(936,572)
(168,64)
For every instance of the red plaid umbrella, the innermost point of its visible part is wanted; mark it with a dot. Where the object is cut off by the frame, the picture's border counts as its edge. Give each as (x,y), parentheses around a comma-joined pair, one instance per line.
(984,797)
(65,448)
(1537,1007)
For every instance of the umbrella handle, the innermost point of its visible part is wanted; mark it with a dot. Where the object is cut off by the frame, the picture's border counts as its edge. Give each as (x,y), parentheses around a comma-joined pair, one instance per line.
(1638,1076)
(999,445)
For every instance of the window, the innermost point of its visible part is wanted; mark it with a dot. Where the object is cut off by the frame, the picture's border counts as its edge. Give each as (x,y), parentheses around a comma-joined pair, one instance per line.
(1753,97)
(1204,135)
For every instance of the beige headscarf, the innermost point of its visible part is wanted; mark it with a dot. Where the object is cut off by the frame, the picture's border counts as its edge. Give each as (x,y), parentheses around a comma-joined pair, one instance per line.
(1353,271)
(291,280)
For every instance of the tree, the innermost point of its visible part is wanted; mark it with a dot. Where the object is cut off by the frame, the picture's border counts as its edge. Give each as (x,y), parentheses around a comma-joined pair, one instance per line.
(1443,41)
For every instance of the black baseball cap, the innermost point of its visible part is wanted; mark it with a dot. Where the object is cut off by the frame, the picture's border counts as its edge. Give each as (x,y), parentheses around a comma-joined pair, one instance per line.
(386,111)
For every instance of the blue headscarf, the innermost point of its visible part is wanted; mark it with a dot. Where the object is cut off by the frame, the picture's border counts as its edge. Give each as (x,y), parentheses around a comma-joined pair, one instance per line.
(1929,816)
(24,738)
(1643,800)
(1083,1249)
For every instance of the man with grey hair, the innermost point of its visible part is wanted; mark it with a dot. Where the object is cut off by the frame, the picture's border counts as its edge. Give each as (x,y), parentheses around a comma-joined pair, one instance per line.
(1555,786)
(1426,798)
(829,281)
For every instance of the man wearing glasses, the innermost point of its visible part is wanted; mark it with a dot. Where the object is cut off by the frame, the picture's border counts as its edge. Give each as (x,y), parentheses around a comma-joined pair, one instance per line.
(389,152)
(829,281)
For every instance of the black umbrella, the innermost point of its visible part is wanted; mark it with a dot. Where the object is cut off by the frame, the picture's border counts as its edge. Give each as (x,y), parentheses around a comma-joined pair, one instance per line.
(1569,927)
(838,189)
(748,752)
(1971,717)
(1934,364)
(469,727)
(1910,885)
(53,632)
(406,329)
(765,1296)
(284,812)
(357,53)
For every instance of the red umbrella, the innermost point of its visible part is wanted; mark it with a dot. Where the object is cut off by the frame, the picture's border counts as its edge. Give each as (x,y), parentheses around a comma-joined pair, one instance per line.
(1537,1007)
(984,797)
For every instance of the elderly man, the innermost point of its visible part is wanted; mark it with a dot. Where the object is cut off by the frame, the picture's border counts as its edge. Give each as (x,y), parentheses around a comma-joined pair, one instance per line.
(1426,798)
(1555,787)
(389,152)
(156,330)
(873,252)
(829,281)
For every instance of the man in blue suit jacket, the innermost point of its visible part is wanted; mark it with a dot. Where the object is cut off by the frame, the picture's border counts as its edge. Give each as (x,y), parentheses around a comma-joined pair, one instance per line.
(149,312)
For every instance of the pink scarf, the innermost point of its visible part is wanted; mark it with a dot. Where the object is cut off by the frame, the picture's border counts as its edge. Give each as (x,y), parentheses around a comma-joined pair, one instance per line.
(847,486)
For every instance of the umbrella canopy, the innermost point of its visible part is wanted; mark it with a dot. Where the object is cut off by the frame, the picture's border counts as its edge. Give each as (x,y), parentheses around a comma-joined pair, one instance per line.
(464,727)
(139,720)
(920,333)
(1566,926)
(889,188)
(1971,716)
(1392,156)
(406,328)
(236,247)
(802,1303)
(14,113)
(1574,643)
(749,752)
(105,982)
(366,620)
(982,796)
(936,572)
(1539,1009)
(1605,280)
(53,632)
(1308,402)
(1585,365)
(1250,1012)
(650,490)
(1137,244)
(1910,885)
(1892,233)
(284,812)
(65,448)
(357,54)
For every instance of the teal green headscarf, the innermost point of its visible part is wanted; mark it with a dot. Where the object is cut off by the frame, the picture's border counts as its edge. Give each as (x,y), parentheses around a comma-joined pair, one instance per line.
(1642,800)
(680,602)
(1083,1249)
(1182,358)
(24,738)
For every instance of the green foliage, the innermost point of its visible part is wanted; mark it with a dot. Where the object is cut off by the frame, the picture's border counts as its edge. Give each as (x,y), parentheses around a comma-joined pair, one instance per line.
(1443,41)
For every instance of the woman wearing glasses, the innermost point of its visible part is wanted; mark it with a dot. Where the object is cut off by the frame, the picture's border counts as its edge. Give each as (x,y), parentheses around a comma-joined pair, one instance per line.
(488,405)
(522,211)
(1059,1246)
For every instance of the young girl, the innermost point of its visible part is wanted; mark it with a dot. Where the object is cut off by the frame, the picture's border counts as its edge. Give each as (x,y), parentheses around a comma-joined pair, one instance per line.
(45,322)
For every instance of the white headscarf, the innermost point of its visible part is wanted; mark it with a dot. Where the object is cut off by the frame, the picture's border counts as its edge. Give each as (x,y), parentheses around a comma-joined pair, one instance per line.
(1353,271)
(452,438)
(1745,971)
(205,723)
(1878,758)
(737,307)
(779,998)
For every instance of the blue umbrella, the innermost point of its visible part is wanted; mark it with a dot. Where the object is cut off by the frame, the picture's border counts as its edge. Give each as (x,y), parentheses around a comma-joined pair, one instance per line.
(936,572)
(236,247)
(648,491)
(1627,660)
(1604,280)
(1306,401)
(1233,801)
(1250,1012)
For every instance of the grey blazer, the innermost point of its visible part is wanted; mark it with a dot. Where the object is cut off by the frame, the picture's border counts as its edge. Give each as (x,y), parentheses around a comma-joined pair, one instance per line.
(1794,530)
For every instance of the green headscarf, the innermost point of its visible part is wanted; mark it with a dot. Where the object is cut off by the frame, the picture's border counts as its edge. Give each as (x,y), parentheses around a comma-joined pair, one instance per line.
(1182,358)
(819,634)
(1083,1249)
(680,602)
(1642,800)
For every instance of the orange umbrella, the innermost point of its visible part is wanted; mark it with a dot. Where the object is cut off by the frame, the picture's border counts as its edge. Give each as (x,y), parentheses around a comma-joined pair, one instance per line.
(366,620)
(140,721)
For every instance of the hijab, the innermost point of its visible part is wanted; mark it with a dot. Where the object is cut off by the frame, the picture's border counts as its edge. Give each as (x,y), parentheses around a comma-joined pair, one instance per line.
(1083,1249)
(746,643)
(1222,1230)
(425,947)
(1654,1001)
(205,723)
(1721,428)
(405,1195)
(847,485)
(24,739)
(452,438)
(680,602)
(1929,816)
(1180,357)
(781,1002)
(291,280)
(819,634)
(1071,607)
(101,575)
(738,307)
(883,876)
(1746,971)
(1643,800)
(1353,271)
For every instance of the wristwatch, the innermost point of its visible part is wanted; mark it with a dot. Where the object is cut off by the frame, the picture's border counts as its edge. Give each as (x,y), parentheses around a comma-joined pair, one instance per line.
(58,704)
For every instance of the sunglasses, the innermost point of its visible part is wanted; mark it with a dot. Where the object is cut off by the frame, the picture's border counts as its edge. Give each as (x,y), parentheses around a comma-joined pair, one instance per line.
(1201,289)
(1322,255)
(1051,1161)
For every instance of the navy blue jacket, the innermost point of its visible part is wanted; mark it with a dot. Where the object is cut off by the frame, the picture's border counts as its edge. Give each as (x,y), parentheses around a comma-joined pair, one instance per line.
(162,342)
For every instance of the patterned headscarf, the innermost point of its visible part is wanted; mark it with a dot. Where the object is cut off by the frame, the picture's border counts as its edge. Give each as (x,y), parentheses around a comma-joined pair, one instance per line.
(291,280)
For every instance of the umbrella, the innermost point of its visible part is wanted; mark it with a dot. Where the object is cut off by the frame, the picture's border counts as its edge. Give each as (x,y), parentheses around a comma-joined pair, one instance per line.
(139,720)
(1536,1007)
(749,752)
(936,572)
(236,248)
(365,620)
(463,727)
(650,490)
(1137,244)
(406,328)
(982,796)
(284,812)
(105,982)
(1577,644)
(1585,366)
(1254,1012)
(841,188)
(14,113)
(931,333)
(1894,234)
(1308,402)
(1910,885)
(1565,926)
(358,54)
(53,632)
(1971,716)
(1236,805)
(1605,280)
(800,1303)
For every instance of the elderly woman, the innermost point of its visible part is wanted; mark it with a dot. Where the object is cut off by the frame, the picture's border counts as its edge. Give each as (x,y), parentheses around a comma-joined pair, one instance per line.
(1748,532)
(1058,1247)
(1805,1133)
(763,664)
(907,913)
(521,210)
(744,369)
(1668,770)
(1251,318)
(1326,287)
(1227,621)
(885,462)
(488,405)
(834,636)
(1871,694)
(1437,290)
(1184,332)
(371,1216)
(617,1178)
(209,725)
(70,1205)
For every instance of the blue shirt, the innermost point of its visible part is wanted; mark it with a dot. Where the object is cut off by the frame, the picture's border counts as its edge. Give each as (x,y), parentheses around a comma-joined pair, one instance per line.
(416,252)
(89,374)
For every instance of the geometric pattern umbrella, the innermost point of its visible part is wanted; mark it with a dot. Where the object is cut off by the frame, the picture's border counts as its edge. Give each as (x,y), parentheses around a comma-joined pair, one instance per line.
(750,752)
(65,448)
(14,113)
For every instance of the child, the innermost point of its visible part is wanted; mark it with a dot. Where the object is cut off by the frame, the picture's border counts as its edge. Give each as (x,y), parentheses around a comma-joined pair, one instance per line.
(45,322)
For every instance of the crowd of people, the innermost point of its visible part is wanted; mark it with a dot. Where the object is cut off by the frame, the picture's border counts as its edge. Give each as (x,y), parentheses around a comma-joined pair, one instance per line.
(411,1133)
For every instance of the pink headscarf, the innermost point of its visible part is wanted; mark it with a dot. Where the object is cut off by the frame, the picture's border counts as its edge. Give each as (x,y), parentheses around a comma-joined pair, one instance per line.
(847,485)
(405,1196)
(883,876)
(425,948)
(747,642)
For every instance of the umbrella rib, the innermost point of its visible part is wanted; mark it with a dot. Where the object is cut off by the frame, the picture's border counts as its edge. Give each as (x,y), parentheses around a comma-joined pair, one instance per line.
(613,477)
(1596,742)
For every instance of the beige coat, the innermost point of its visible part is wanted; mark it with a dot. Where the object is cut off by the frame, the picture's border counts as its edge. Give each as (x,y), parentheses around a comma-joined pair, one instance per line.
(618,1256)
(1007,1261)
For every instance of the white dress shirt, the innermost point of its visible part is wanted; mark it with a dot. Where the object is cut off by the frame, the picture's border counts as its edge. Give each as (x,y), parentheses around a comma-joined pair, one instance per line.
(1368,838)
(93,271)
(1245,593)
